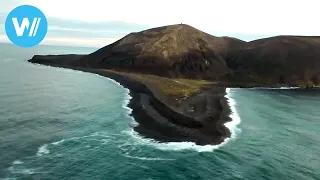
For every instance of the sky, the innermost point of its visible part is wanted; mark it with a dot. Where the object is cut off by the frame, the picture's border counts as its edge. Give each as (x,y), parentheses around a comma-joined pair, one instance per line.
(101,22)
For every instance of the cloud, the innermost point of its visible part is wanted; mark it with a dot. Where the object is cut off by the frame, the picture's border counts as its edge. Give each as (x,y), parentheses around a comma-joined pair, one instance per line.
(85,42)
(80,33)
(7,6)
(229,16)
(83,32)
(96,22)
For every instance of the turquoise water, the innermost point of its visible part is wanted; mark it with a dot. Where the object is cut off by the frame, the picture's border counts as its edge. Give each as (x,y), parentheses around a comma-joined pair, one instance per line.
(63,124)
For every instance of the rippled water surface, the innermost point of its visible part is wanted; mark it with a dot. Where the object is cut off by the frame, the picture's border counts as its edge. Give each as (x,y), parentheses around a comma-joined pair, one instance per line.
(63,124)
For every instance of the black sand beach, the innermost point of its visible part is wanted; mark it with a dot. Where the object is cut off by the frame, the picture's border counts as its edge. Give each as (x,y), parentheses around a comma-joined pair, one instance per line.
(199,118)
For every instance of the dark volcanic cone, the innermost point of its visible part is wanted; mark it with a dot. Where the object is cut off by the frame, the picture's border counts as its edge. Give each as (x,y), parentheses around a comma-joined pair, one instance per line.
(174,51)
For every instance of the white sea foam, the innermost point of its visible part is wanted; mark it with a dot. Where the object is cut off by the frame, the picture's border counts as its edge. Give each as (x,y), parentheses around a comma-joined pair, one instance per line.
(127,94)
(26,171)
(170,146)
(147,158)
(289,87)
(175,146)
(232,125)
(43,150)
(274,88)
(58,142)
(109,79)
(179,146)
(17,162)
(126,101)
(105,137)
(127,97)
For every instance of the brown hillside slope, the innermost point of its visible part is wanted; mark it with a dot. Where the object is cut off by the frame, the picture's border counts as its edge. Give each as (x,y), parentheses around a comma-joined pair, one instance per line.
(174,51)
(282,59)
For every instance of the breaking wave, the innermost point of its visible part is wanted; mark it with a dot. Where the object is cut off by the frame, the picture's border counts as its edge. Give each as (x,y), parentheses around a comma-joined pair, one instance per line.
(179,146)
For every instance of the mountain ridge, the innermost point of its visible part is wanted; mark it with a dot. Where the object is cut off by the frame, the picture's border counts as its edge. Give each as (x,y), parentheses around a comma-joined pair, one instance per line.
(182,51)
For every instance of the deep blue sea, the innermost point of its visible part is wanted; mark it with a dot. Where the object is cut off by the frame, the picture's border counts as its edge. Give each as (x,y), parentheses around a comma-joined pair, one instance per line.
(63,124)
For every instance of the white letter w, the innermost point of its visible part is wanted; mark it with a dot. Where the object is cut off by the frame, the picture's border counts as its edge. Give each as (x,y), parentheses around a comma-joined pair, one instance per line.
(25,24)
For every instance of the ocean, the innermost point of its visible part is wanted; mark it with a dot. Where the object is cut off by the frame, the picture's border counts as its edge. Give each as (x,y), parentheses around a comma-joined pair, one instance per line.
(63,124)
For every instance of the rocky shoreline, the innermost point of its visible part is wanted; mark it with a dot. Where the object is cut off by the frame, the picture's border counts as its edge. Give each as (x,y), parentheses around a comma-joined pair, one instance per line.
(177,76)
(203,125)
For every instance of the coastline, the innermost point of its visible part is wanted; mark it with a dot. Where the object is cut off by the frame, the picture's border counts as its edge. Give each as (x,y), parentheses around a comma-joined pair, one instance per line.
(158,121)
